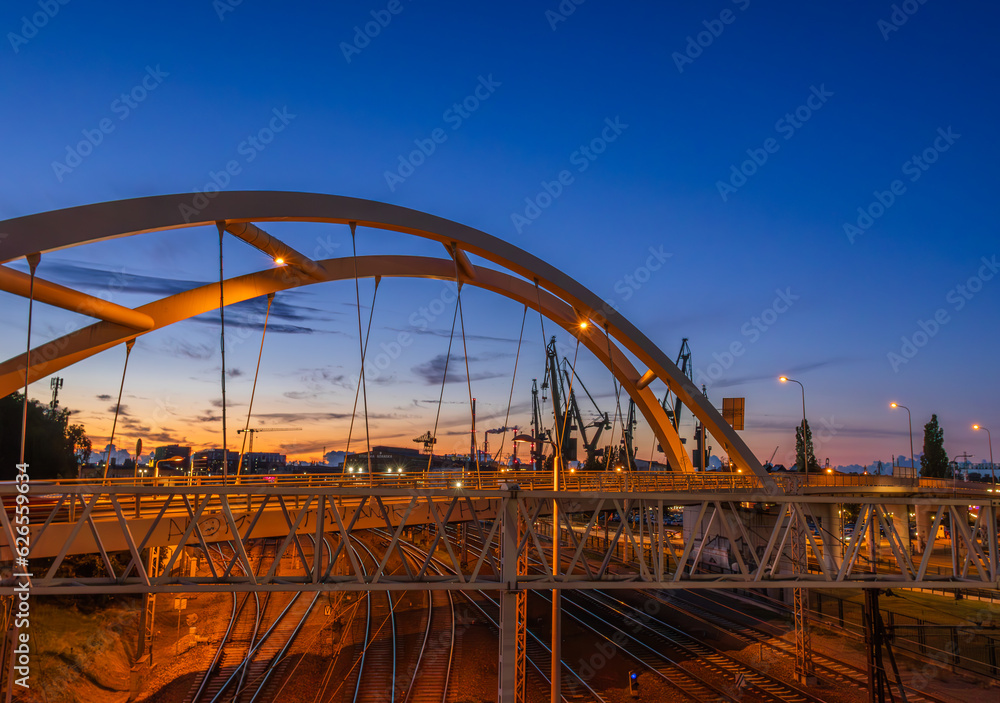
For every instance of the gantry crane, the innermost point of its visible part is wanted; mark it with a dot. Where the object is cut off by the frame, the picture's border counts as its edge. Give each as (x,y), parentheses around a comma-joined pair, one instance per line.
(427,440)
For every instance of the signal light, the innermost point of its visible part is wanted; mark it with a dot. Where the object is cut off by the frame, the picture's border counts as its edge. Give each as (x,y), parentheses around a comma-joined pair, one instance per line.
(633,683)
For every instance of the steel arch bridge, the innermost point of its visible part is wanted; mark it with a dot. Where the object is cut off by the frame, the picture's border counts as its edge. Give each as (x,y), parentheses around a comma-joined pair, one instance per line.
(138,519)
(523,278)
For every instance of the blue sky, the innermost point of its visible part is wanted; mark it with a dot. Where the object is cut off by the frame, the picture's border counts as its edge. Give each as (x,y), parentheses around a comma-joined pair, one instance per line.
(748,135)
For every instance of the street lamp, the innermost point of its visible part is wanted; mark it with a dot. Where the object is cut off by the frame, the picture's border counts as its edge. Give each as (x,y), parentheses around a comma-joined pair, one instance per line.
(909,420)
(805,445)
(156,465)
(989,437)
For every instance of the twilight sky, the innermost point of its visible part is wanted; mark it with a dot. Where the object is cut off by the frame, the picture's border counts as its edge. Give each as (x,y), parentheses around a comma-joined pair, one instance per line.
(798,188)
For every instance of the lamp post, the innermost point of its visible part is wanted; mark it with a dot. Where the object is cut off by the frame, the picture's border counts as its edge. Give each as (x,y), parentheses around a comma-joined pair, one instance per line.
(909,420)
(156,465)
(805,445)
(993,471)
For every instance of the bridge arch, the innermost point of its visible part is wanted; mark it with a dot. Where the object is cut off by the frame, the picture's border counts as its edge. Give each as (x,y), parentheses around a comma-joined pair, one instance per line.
(563,299)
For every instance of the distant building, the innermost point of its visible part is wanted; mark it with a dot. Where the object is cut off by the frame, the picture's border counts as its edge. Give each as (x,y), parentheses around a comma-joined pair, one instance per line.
(388,460)
(209,461)
(263,463)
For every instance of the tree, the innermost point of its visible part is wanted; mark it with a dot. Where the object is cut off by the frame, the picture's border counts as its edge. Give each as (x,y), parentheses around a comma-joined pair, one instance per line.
(799,463)
(51,442)
(934,462)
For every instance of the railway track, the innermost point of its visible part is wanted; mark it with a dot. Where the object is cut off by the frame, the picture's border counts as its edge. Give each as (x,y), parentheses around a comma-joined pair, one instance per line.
(539,656)
(255,646)
(432,670)
(662,641)
(376,669)
(670,654)
(831,671)
(237,640)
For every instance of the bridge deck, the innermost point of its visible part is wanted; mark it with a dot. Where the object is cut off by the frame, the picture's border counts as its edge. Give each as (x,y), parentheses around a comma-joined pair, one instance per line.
(105,518)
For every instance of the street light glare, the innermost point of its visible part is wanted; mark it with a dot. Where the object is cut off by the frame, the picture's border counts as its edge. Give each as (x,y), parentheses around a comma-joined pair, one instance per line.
(783,379)
(584,325)
(279,261)
(975,427)
(893,405)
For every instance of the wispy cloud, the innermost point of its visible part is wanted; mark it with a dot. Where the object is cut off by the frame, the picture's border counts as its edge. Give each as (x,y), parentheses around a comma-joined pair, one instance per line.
(432,371)
(788,370)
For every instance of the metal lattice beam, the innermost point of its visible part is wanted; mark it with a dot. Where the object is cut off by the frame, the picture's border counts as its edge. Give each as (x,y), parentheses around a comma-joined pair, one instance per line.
(750,543)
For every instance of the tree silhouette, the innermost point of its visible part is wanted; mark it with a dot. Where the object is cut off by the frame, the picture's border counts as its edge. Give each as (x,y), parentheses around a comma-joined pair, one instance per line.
(799,463)
(50,443)
(934,462)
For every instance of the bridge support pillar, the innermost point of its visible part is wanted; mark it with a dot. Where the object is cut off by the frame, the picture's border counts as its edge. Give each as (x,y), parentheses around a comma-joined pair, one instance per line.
(513,612)
(831,530)
(901,523)
(925,519)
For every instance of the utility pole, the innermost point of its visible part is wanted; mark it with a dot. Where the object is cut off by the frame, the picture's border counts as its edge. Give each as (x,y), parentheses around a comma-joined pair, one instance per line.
(55,384)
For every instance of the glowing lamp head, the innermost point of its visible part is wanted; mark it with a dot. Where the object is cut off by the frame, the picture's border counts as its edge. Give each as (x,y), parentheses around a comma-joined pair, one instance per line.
(783,379)
(279,261)
(893,405)
(584,325)
(975,427)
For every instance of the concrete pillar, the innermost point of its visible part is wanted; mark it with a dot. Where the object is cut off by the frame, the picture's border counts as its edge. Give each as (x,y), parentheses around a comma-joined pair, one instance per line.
(831,530)
(925,519)
(901,523)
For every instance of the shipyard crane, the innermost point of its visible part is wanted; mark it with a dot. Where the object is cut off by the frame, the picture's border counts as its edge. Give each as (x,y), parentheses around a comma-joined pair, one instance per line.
(566,410)
(687,368)
(538,434)
(602,422)
(427,440)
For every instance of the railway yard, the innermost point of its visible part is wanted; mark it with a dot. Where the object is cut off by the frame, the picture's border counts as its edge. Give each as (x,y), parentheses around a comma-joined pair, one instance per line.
(440,646)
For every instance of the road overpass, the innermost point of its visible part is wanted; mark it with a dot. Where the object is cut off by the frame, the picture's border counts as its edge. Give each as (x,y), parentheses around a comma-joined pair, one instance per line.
(125,517)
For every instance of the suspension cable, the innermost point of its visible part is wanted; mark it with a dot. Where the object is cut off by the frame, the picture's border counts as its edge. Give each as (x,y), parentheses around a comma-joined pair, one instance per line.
(361,345)
(541,322)
(468,380)
(444,376)
(569,395)
(364,353)
(33,260)
(253,390)
(510,399)
(222,345)
(107,459)
(618,404)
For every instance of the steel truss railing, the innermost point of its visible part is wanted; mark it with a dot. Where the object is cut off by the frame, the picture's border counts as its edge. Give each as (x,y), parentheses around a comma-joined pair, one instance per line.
(749,537)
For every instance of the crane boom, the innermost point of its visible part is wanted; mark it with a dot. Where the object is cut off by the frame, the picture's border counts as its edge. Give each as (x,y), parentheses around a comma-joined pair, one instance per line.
(254,430)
